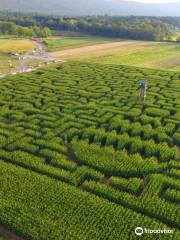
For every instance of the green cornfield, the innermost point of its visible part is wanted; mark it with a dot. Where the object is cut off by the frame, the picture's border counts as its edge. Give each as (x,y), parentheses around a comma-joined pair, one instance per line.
(81,158)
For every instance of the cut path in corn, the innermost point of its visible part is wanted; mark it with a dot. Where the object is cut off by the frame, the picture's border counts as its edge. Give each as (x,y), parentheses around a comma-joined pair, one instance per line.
(8,235)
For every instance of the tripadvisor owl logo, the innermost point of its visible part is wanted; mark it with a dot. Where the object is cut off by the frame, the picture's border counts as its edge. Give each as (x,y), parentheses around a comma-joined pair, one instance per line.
(139,231)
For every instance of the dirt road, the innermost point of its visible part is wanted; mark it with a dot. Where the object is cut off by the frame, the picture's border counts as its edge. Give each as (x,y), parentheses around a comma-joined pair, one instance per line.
(93,48)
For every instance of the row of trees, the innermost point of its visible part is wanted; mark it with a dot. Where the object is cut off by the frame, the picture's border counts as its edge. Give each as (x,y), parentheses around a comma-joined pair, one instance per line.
(145,28)
(130,28)
(21,31)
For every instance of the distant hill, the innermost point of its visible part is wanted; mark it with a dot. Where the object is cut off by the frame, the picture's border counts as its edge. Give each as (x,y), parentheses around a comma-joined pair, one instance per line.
(90,7)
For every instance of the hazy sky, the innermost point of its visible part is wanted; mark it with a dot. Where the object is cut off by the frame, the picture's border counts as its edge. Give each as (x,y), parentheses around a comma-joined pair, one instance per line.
(156,1)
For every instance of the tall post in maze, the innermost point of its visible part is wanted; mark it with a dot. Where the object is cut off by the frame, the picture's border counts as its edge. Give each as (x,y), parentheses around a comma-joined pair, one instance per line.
(142,90)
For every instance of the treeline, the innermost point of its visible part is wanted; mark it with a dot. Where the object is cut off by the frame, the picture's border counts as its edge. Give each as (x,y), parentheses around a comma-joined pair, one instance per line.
(120,27)
(174,21)
(143,28)
(10,28)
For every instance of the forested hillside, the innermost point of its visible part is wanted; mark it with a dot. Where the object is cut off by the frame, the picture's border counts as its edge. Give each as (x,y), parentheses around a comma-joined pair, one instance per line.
(91,7)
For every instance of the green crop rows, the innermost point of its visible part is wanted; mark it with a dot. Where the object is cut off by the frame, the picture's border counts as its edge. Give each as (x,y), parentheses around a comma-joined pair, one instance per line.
(83,158)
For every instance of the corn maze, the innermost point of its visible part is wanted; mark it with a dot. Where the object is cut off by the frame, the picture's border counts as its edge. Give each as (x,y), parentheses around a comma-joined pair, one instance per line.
(82,158)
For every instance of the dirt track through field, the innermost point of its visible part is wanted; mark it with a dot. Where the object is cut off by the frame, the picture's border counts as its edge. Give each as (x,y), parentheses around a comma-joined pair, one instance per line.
(8,235)
(93,48)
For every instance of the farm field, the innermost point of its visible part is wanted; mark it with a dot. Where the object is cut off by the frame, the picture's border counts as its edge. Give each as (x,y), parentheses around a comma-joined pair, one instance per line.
(4,64)
(83,158)
(5,67)
(55,43)
(8,44)
(176,35)
(15,45)
(158,55)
